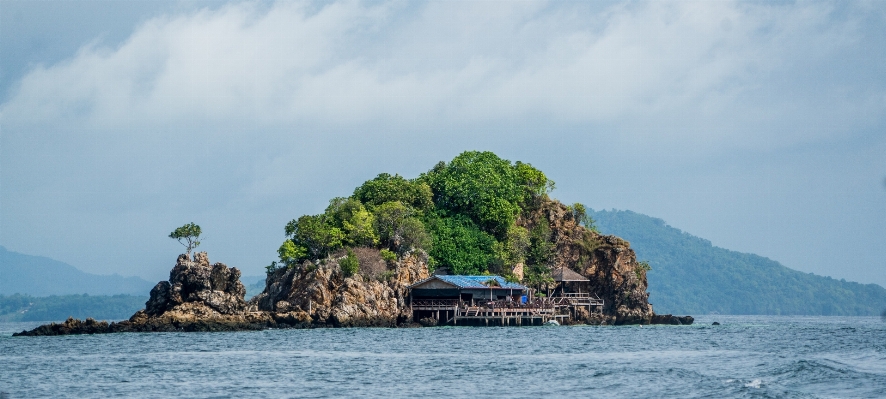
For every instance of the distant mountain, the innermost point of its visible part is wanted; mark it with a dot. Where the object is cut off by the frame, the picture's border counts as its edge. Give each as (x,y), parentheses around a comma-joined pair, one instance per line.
(39,276)
(691,276)
(58,308)
(254,285)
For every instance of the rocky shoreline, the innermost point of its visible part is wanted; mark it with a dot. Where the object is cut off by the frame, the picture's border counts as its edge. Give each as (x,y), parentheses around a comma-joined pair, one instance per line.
(200,296)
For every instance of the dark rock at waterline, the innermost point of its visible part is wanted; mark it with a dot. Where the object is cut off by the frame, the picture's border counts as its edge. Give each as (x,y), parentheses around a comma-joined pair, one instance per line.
(204,297)
(671,319)
(70,326)
(715,324)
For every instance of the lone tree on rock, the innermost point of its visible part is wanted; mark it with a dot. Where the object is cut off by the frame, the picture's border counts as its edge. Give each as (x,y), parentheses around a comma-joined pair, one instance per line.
(187,235)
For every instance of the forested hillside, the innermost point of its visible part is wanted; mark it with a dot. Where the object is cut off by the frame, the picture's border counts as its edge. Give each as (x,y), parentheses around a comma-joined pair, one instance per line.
(476,214)
(690,276)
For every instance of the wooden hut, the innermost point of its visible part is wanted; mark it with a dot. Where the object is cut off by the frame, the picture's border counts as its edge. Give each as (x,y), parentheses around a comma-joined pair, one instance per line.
(493,301)
(467,289)
(569,282)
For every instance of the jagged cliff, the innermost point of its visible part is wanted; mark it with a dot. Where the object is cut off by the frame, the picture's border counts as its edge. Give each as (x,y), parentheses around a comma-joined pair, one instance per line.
(607,261)
(203,297)
(319,293)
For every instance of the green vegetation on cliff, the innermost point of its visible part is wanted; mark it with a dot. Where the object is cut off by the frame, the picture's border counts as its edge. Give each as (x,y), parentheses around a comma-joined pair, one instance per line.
(464,214)
(691,276)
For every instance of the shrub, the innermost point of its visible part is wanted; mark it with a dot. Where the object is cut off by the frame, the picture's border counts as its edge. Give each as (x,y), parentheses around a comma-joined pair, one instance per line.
(388,255)
(641,268)
(541,249)
(349,264)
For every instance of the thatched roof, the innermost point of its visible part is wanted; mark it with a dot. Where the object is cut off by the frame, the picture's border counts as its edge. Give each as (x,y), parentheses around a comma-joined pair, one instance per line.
(566,274)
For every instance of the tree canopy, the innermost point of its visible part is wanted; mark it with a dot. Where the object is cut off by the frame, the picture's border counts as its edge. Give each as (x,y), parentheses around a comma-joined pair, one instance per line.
(187,235)
(463,213)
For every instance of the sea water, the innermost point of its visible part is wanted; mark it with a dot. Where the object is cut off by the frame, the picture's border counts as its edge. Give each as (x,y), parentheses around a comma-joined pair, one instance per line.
(745,356)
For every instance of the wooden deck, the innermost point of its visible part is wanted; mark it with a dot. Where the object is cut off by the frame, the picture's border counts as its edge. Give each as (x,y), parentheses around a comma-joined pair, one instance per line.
(506,313)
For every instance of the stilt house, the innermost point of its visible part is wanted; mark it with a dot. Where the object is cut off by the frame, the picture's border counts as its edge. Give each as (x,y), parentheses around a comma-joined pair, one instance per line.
(468,289)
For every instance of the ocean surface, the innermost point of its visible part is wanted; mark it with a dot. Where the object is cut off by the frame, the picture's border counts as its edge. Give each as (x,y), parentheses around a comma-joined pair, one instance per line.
(745,356)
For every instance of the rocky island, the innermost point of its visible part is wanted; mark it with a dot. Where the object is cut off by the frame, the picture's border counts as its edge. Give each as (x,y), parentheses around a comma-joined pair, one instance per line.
(353,265)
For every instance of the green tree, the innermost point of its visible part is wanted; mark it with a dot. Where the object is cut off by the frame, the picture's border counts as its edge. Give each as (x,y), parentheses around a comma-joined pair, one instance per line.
(480,185)
(386,188)
(357,223)
(581,216)
(460,245)
(187,235)
(486,188)
(538,277)
(290,254)
(541,249)
(398,229)
(315,235)
(349,264)
(535,184)
(513,250)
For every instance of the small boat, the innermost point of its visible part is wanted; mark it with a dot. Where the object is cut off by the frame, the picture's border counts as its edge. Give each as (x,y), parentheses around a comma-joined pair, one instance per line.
(552,323)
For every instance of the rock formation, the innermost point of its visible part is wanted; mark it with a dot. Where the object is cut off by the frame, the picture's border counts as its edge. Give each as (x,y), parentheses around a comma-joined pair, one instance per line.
(607,261)
(318,293)
(202,297)
(197,297)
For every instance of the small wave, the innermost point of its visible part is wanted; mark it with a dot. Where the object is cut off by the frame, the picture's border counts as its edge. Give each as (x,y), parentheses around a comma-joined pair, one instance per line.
(754,383)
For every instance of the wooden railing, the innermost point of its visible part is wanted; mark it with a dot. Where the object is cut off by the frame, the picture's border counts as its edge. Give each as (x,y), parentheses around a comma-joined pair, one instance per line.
(435,303)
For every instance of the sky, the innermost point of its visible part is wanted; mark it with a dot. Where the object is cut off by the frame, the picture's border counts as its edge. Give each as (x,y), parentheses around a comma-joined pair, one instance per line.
(760,126)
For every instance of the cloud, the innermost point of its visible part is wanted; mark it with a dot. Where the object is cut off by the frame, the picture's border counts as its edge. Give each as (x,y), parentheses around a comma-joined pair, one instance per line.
(697,71)
(254,111)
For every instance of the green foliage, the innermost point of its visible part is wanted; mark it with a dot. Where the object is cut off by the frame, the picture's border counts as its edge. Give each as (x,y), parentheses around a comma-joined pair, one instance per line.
(290,254)
(580,214)
(270,269)
(541,249)
(691,276)
(535,184)
(461,245)
(641,268)
(315,235)
(386,188)
(187,235)
(386,275)
(513,249)
(538,276)
(463,214)
(58,308)
(349,264)
(486,188)
(352,218)
(388,255)
(398,229)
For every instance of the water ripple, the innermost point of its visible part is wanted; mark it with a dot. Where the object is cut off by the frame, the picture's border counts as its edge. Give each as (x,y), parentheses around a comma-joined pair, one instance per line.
(745,357)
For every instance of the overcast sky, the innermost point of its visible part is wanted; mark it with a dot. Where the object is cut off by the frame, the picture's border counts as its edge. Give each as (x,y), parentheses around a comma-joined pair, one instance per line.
(759,126)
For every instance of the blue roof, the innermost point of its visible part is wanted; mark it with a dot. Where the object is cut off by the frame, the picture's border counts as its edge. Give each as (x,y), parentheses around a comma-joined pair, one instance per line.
(477,281)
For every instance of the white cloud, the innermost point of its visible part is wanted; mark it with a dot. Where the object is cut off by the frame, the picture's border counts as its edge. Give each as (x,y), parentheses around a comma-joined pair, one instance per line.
(687,68)
(250,111)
